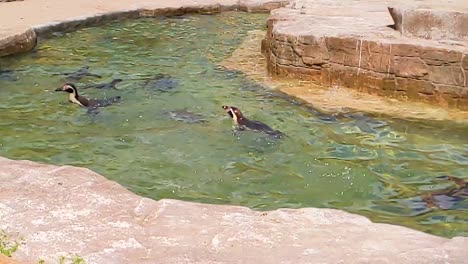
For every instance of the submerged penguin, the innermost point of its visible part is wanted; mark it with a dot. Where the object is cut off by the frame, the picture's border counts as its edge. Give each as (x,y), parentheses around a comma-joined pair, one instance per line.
(77,75)
(161,83)
(447,198)
(186,116)
(242,123)
(73,97)
(106,86)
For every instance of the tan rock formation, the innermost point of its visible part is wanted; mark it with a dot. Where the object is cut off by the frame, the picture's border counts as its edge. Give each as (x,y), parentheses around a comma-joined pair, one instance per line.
(68,210)
(351,45)
(23,41)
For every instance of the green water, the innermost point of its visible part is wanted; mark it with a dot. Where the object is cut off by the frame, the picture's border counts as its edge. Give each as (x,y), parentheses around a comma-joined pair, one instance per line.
(375,167)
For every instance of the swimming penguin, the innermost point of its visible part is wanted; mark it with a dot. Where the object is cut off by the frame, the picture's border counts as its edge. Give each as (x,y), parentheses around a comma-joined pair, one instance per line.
(77,75)
(461,185)
(243,123)
(109,85)
(73,97)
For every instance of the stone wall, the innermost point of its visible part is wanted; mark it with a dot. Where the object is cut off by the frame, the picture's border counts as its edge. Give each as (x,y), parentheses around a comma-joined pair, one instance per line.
(370,57)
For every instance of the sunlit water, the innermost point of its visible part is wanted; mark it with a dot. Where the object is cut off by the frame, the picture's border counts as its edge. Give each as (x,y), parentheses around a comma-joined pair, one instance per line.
(374,166)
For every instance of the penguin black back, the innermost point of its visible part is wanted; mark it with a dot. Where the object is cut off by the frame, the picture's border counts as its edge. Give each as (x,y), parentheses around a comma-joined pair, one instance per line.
(244,123)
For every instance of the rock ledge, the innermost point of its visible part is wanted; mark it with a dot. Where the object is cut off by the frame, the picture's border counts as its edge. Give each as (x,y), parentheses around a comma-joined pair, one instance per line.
(62,210)
(352,44)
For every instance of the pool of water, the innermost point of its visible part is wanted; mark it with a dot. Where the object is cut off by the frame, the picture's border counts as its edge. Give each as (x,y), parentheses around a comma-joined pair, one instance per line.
(372,165)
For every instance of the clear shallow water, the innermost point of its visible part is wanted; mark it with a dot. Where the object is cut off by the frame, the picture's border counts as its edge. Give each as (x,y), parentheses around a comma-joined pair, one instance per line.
(374,166)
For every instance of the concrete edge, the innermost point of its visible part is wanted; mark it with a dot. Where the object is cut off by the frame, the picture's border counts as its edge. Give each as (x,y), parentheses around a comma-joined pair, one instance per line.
(28,39)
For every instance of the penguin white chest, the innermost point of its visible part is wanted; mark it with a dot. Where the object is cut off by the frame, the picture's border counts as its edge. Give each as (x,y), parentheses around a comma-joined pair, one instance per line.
(72,98)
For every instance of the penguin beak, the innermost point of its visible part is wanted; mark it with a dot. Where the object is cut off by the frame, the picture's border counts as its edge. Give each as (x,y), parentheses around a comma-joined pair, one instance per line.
(228,110)
(59,89)
(443,177)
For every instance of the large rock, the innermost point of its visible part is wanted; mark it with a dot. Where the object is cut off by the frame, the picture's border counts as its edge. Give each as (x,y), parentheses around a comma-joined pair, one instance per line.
(68,210)
(352,44)
(17,42)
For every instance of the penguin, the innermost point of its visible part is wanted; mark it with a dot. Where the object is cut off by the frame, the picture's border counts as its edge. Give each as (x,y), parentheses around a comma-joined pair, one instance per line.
(161,83)
(73,97)
(242,123)
(447,198)
(461,185)
(77,75)
(110,85)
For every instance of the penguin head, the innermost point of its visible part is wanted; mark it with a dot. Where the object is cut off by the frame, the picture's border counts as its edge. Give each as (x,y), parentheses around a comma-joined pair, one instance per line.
(68,87)
(233,112)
